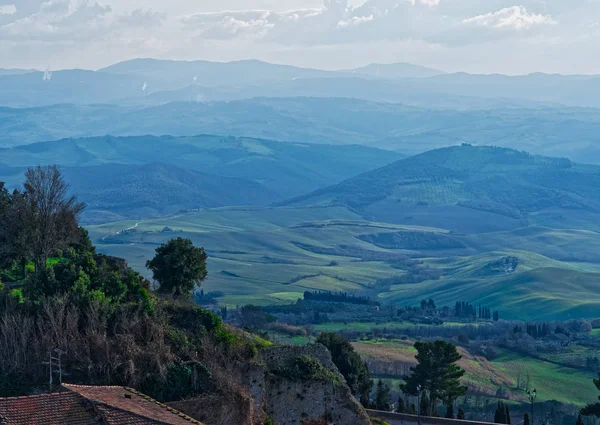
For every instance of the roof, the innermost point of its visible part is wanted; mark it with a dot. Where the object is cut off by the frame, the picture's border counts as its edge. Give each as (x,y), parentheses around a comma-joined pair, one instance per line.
(90,405)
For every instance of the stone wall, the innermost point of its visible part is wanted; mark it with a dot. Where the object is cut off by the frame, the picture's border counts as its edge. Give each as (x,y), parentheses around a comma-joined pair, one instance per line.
(405,419)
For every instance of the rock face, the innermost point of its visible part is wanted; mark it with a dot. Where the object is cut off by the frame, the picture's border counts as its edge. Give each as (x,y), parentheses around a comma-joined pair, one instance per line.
(290,385)
(291,399)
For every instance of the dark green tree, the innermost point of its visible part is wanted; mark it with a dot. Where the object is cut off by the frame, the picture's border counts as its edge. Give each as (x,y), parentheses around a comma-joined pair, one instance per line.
(425,407)
(461,414)
(507,415)
(350,365)
(500,414)
(593,409)
(400,406)
(178,266)
(383,398)
(450,411)
(436,372)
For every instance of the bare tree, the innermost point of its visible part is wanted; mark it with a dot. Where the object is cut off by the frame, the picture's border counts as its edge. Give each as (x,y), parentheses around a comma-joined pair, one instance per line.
(46,216)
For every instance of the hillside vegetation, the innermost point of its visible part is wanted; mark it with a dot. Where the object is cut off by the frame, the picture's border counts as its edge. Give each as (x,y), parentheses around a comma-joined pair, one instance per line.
(472,189)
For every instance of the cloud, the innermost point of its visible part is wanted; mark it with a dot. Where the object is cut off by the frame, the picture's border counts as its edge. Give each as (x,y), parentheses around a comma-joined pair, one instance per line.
(516,17)
(66,21)
(9,9)
(354,21)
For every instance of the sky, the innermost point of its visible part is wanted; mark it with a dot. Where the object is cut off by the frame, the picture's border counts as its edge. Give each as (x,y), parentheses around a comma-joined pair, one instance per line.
(477,36)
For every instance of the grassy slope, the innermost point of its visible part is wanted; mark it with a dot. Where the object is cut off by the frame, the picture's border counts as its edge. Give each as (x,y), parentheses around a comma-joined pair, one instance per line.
(553,382)
(254,259)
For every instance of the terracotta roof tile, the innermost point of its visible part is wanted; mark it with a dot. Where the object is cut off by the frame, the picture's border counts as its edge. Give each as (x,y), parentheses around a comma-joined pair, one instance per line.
(113,399)
(46,409)
(85,405)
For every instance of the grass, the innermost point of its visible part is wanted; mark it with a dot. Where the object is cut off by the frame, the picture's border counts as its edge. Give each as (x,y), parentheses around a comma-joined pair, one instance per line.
(254,257)
(552,381)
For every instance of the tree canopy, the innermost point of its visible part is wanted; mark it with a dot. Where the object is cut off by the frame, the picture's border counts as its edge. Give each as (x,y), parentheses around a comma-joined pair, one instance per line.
(349,364)
(436,372)
(178,266)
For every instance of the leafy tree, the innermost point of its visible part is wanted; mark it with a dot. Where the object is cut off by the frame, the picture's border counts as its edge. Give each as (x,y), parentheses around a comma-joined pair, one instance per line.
(593,409)
(44,218)
(349,364)
(383,398)
(436,372)
(178,266)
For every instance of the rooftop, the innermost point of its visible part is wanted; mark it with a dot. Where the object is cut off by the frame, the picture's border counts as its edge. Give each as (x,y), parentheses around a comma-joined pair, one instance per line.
(90,405)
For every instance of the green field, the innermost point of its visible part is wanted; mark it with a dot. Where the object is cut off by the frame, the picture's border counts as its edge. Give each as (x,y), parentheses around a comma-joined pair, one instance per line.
(552,381)
(259,256)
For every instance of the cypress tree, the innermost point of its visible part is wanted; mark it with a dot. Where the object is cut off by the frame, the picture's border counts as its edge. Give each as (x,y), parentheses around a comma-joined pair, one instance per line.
(461,414)
(450,411)
(579,420)
(526,419)
(401,407)
(507,416)
(500,415)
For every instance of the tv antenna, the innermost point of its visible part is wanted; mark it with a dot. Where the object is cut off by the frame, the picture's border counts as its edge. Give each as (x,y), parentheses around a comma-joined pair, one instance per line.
(55,366)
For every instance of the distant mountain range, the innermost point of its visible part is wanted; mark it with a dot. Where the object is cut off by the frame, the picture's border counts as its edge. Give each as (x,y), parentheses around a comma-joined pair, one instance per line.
(147,176)
(133,81)
(471,189)
(567,132)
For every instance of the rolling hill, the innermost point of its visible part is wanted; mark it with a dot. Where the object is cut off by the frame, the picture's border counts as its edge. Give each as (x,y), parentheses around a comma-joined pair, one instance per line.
(146,176)
(272,255)
(566,132)
(471,189)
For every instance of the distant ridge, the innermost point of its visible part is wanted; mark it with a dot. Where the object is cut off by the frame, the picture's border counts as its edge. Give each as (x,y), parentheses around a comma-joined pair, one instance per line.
(397,70)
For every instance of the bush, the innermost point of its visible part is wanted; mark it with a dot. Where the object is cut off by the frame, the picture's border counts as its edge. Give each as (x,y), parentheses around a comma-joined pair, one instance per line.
(305,368)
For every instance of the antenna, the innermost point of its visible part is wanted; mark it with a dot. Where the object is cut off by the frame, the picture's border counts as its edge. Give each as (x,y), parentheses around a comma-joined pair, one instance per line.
(56,362)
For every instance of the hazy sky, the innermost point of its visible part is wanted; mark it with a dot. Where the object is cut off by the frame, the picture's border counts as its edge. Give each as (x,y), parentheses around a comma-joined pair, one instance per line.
(506,36)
